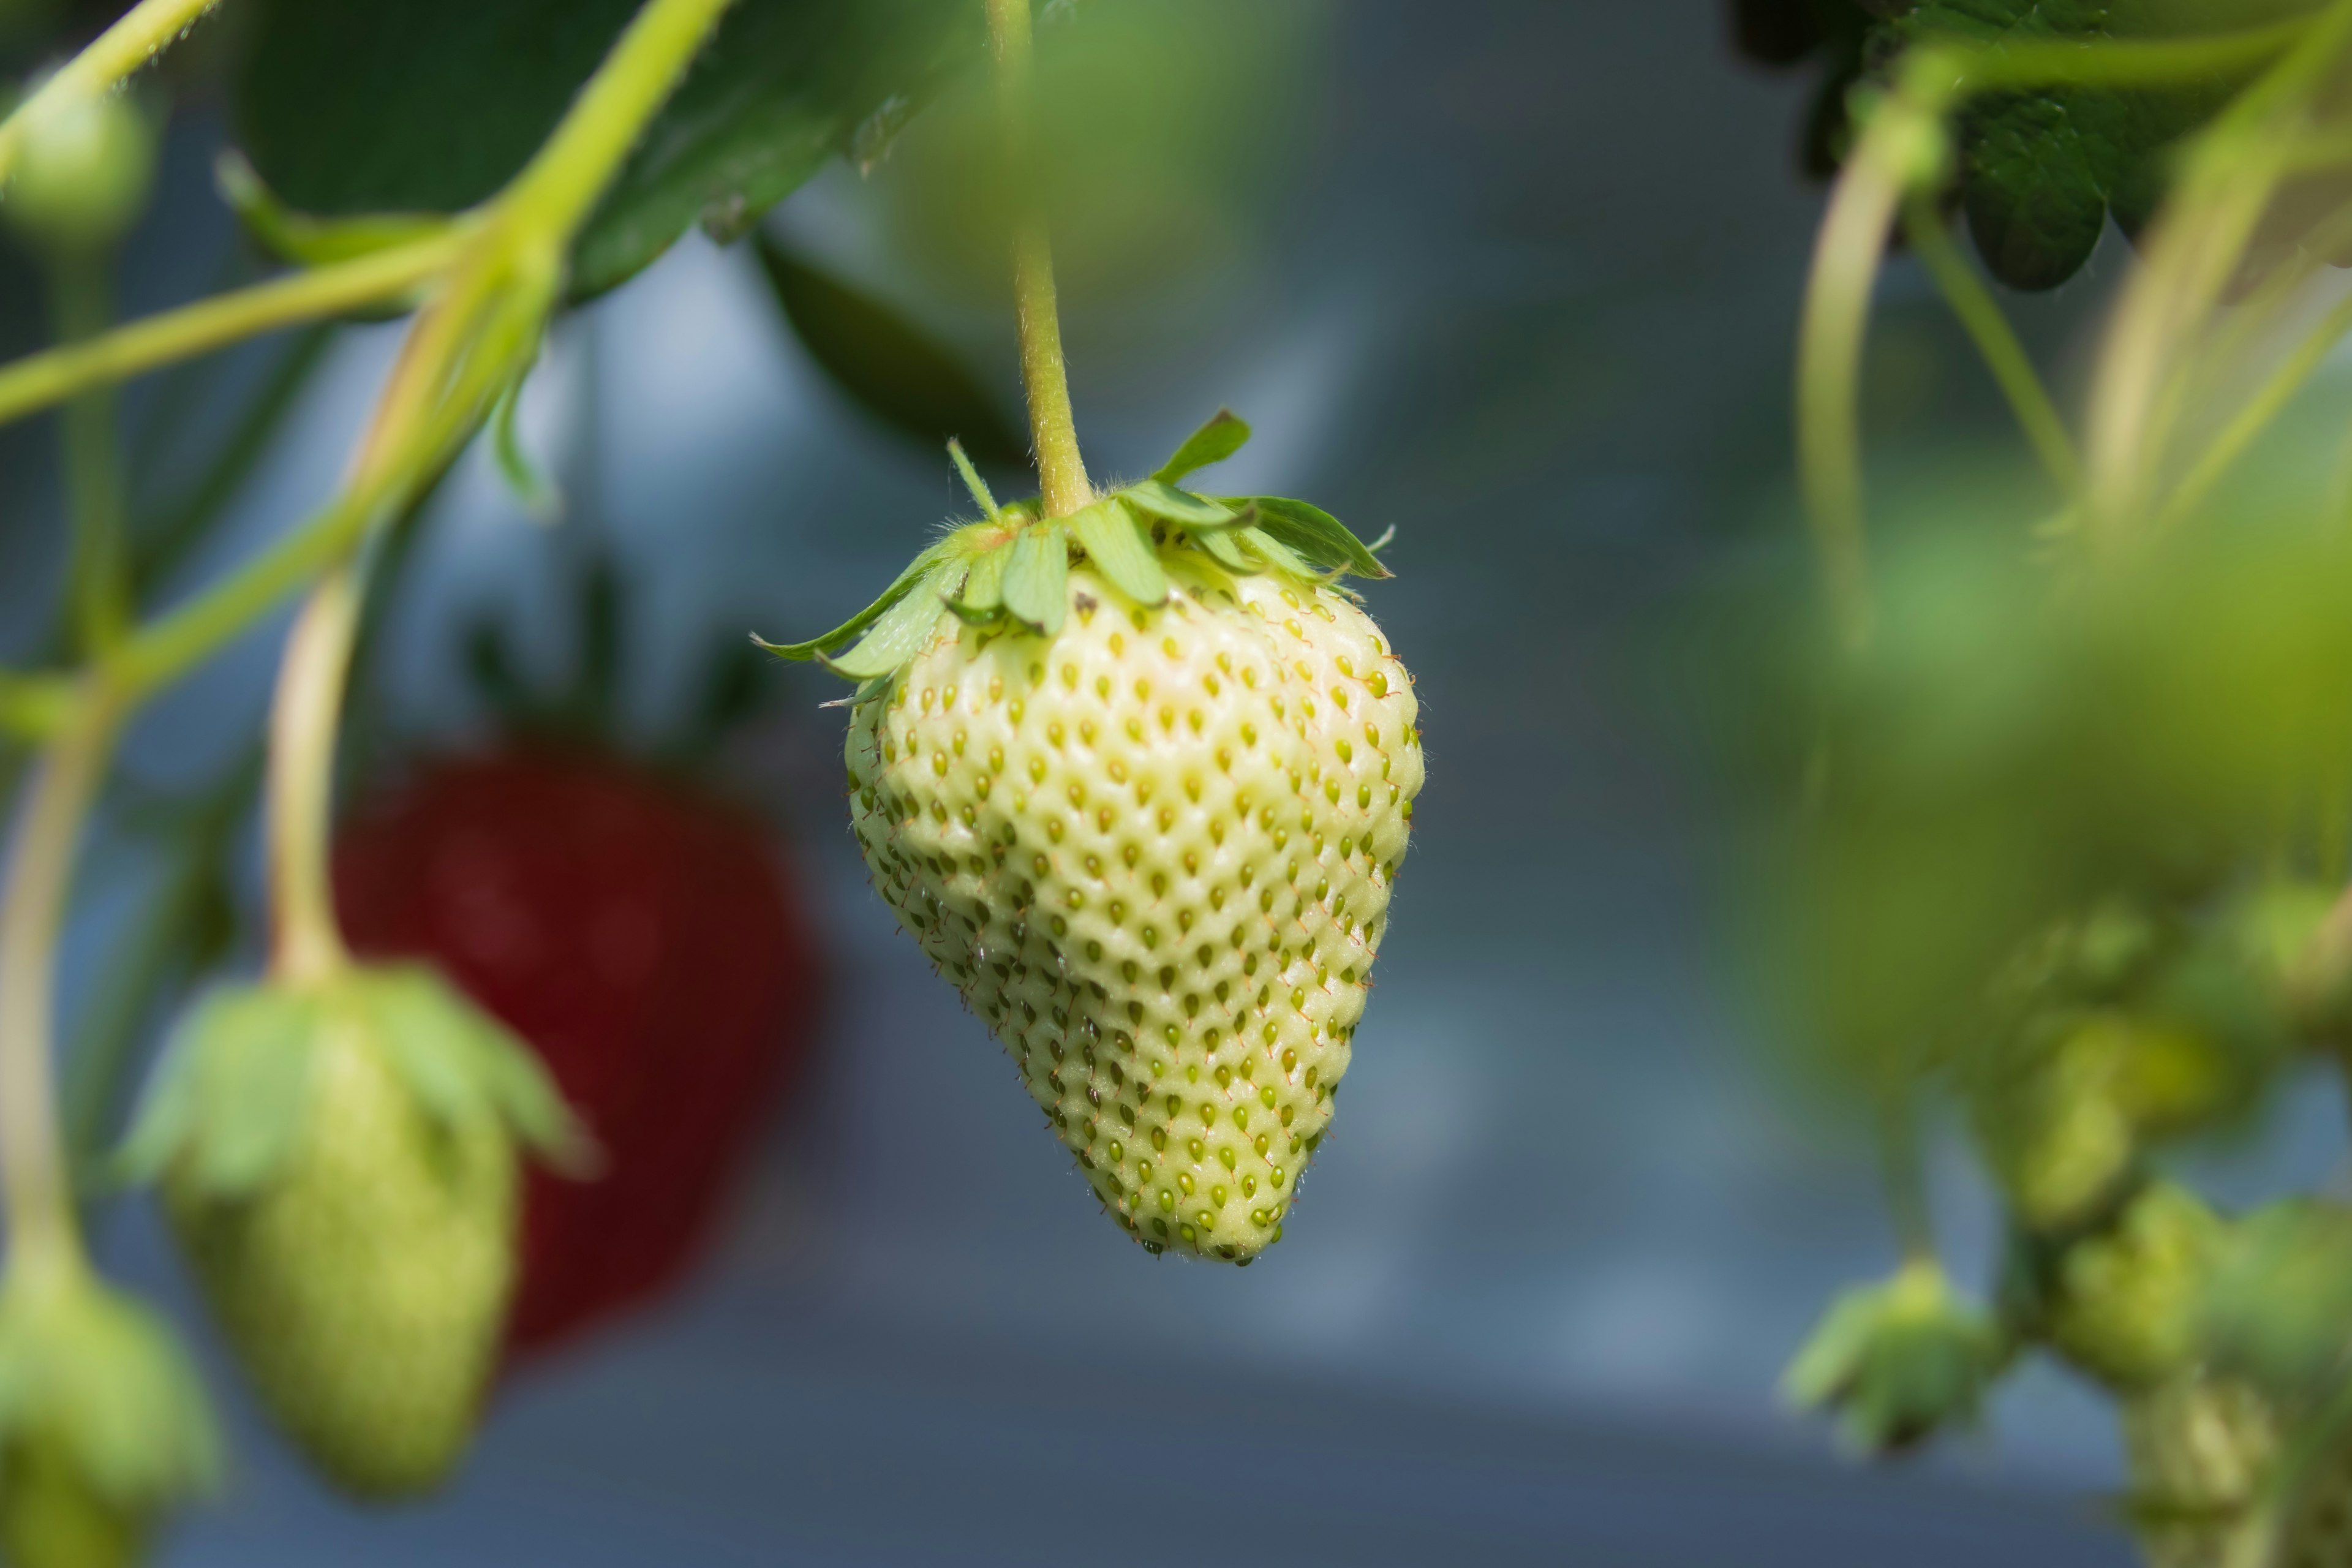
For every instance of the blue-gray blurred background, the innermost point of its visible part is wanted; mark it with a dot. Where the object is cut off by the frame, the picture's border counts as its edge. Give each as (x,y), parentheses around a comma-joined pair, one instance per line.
(1517,278)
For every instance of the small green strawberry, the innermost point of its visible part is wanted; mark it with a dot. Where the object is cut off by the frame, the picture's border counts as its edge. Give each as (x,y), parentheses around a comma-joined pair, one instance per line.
(1138,780)
(2123,1302)
(339,1162)
(1897,1361)
(2201,1451)
(103,1425)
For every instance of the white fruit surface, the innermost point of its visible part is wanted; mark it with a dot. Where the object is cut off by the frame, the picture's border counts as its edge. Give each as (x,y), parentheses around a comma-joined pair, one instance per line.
(1155,853)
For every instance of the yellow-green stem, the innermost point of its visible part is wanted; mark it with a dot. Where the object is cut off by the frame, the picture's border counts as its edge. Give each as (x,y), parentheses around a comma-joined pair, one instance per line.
(1996,341)
(1053,430)
(139,34)
(39,1193)
(304,720)
(38,380)
(2255,414)
(100,582)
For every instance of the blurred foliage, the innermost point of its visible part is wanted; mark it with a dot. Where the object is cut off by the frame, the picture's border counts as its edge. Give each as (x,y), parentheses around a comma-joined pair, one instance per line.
(430,105)
(1898,1362)
(1163,133)
(2039,173)
(887,366)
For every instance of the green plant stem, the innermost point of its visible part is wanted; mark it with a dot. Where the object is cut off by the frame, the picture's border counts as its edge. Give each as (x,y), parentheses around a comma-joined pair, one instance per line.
(39,1196)
(39,380)
(1995,342)
(2191,256)
(137,38)
(308,944)
(100,577)
(1053,430)
(2255,414)
(1900,146)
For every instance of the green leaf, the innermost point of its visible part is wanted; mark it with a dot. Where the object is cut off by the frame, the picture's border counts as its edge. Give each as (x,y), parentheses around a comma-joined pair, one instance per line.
(313,242)
(432,105)
(231,1097)
(1273,552)
(898,635)
(885,365)
(1220,544)
(532,487)
(973,482)
(917,569)
(1163,499)
(1121,547)
(427,1032)
(1220,438)
(984,590)
(1313,533)
(1036,577)
(2040,171)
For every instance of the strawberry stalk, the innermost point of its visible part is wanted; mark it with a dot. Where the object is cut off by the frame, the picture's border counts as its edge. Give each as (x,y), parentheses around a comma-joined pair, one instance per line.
(135,40)
(307,945)
(42,1232)
(1053,430)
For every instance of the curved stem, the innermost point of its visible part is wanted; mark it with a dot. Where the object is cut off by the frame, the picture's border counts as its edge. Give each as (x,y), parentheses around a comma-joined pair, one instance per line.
(1846,260)
(1996,341)
(141,34)
(39,380)
(1053,430)
(303,722)
(39,1195)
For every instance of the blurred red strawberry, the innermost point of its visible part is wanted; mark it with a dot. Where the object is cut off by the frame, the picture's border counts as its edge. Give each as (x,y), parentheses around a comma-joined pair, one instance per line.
(645,938)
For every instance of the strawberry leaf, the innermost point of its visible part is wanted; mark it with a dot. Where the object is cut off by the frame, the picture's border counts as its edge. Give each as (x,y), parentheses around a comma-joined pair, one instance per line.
(1313,533)
(1121,549)
(899,635)
(1036,577)
(1220,544)
(348,107)
(982,595)
(229,1096)
(1272,552)
(312,242)
(917,569)
(1161,499)
(1220,438)
(885,365)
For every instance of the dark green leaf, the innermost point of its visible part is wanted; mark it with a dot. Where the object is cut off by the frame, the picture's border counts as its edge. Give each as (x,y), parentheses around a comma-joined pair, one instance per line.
(1121,549)
(432,105)
(1161,499)
(898,635)
(1036,577)
(1220,438)
(1313,533)
(885,365)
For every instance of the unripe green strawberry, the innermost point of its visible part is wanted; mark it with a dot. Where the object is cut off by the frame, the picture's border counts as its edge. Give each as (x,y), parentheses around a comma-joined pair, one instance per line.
(2201,1450)
(1145,811)
(2123,1302)
(338,1163)
(104,1427)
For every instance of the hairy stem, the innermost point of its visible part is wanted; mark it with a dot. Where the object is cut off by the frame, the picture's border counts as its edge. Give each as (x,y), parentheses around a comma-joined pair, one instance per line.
(141,34)
(39,1193)
(1996,341)
(304,719)
(1053,430)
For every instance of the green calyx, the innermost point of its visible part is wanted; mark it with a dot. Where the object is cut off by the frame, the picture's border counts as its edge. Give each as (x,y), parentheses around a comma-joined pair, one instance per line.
(104,1425)
(229,1102)
(1898,1361)
(1012,568)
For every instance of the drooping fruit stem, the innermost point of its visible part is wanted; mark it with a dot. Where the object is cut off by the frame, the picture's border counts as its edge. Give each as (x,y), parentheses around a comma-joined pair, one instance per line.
(42,1234)
(136,39)
(303,722)
(1061,471)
